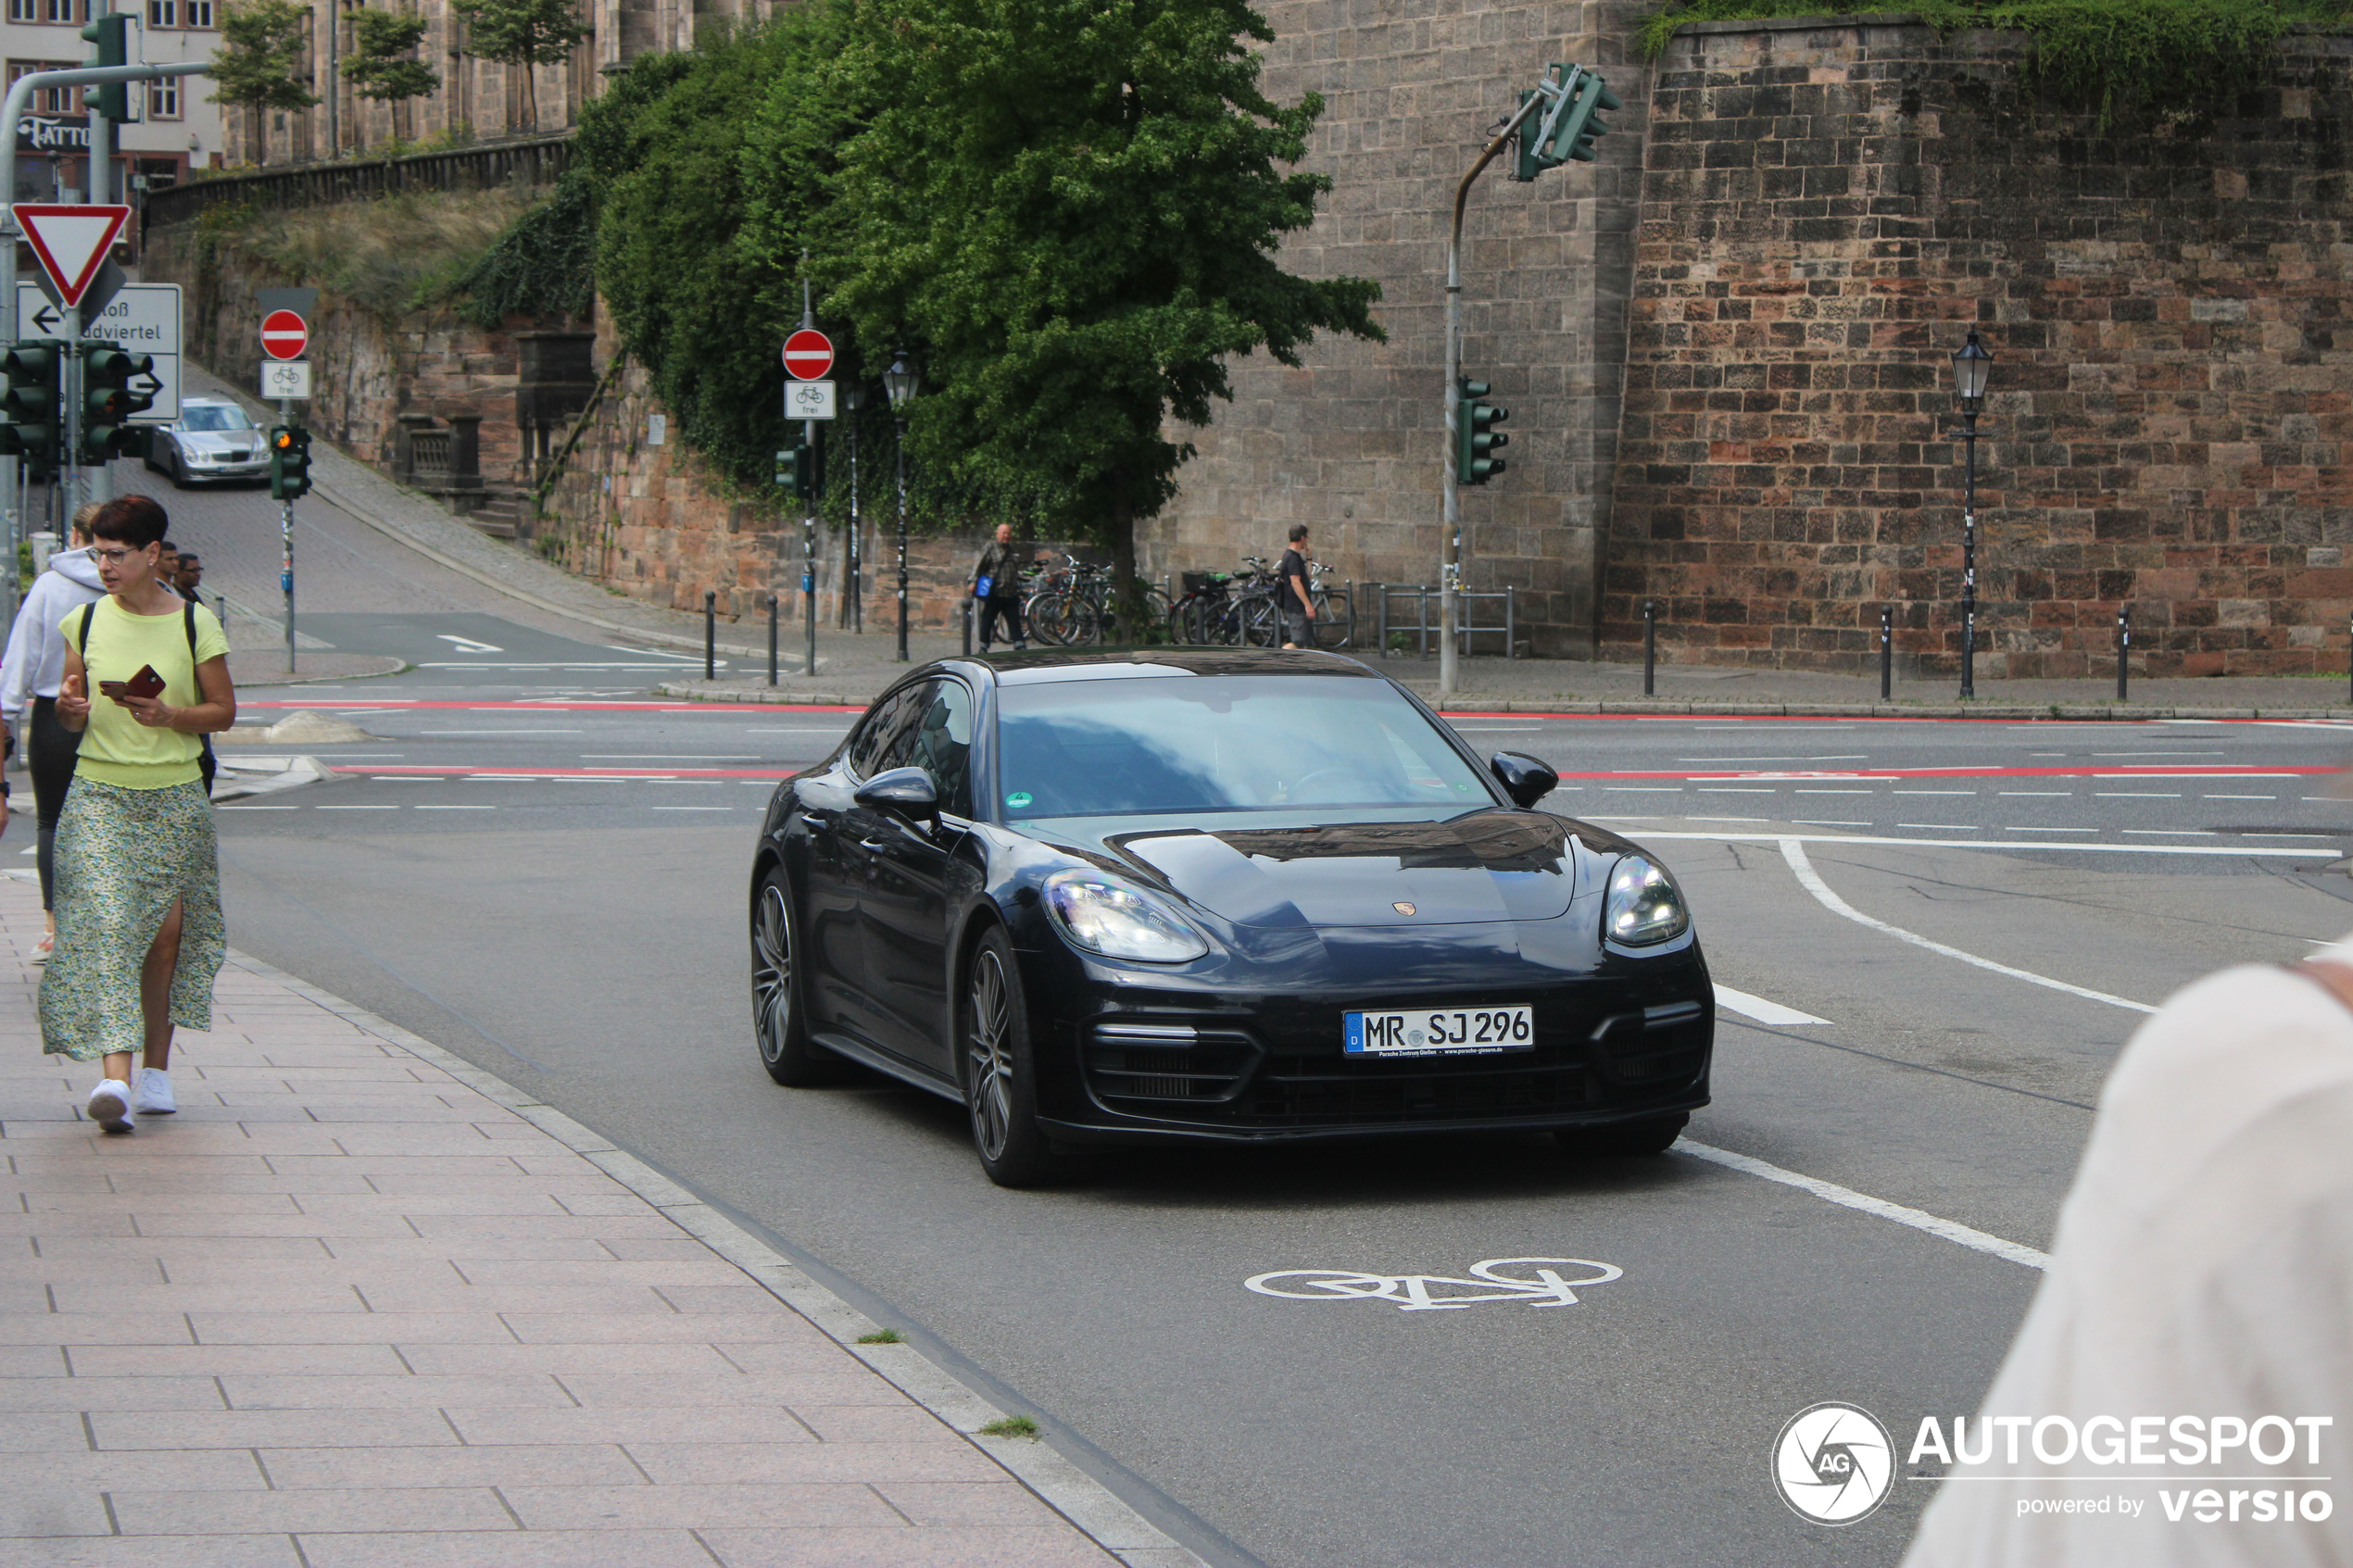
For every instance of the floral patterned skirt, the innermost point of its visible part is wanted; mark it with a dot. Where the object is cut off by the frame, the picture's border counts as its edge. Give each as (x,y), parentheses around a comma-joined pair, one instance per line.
(123,855)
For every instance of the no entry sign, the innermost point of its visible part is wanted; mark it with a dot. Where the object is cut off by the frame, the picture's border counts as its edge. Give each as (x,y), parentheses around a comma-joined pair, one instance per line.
(284,336)
(809,354)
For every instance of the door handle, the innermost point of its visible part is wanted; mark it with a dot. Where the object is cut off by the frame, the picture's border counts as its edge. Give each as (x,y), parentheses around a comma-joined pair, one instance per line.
(876,845)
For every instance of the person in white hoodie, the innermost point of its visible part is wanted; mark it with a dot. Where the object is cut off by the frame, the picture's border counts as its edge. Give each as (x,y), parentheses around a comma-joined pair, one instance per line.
(29,678)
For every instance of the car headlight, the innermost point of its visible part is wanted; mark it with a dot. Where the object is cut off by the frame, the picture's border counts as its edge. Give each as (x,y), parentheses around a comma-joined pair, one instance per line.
(1109,915)
(1644,906)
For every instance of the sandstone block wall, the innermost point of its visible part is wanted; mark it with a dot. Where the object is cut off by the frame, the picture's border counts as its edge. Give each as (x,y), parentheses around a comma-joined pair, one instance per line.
(1351,444)
(1827,207)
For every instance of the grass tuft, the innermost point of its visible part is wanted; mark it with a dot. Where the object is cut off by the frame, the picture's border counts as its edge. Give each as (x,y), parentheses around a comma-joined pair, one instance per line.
(401,252)
(1012,1426)
(883,1336)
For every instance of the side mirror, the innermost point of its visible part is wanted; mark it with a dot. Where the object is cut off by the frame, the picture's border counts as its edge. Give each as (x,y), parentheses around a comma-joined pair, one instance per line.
(1525,780)
(908,792)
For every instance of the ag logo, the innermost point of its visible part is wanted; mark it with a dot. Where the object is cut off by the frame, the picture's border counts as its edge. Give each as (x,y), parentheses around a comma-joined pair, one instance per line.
(1834,1464)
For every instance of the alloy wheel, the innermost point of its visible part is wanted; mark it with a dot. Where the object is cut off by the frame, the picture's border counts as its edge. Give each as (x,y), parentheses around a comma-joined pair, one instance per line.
(772,973)
(988,1058)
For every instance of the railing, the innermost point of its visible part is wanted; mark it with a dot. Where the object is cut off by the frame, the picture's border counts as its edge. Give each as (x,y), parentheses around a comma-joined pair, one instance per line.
(429,457)
(1423,628)
(536,160)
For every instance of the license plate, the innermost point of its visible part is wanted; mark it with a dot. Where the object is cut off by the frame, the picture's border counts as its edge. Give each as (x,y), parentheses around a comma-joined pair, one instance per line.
(1439,1031)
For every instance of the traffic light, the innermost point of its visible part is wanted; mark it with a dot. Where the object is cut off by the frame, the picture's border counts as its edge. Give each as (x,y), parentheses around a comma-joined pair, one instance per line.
(29,404)
(289,463)
(1580,127)
(109,399)
(796,471)
(1473,437)
(1567,127)
(111,34)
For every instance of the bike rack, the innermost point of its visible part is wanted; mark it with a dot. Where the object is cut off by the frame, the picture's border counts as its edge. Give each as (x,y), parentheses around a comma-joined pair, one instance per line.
(1426,631)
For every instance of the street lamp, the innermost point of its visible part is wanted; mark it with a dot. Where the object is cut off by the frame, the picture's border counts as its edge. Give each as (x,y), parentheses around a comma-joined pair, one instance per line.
(1971,365)
(902,381)
(854,397)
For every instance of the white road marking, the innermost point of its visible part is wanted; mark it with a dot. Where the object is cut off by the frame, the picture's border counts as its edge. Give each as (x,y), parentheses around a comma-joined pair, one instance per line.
(245,808)
(2133,794)
(1951,1230)
(2238,798)
(2055,793)
(533,731)
(694,807)
(1760,1009)
(356,808)
(1811,880)
(1934,792)
(1837,792)
(1943,827)
(1842,757)
(682,756)
(456,808)
(1734,789)
(466,644)
(1700,819)
(2050,829)
(2177,833)
(1826,822)
(2252,851)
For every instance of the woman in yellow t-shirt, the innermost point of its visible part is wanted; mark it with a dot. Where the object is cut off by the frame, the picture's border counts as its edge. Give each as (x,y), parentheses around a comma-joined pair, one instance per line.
(138,870)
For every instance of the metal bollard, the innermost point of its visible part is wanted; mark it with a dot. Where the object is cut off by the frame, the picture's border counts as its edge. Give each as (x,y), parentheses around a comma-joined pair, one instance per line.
(1886,654)
(774,599)
(710,634)
(1650,647)
(967,618)
(2123,646)
(1510,621)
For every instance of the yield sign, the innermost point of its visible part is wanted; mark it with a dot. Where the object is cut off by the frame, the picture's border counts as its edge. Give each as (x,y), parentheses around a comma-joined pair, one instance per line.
(284,336)
(71,242)
(809,354)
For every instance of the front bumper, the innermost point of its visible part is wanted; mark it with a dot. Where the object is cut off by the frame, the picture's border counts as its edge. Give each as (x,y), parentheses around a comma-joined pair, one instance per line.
(1630,1041)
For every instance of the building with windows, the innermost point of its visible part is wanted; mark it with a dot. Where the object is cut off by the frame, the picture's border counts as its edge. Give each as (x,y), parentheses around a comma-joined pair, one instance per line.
(176,129)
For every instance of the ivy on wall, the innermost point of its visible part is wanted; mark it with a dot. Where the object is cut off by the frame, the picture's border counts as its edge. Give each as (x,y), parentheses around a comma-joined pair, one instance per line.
(2179,62)
(545,264)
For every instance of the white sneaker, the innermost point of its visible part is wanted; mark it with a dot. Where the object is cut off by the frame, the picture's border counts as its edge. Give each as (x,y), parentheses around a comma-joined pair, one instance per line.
(154,1096)
(110,1106)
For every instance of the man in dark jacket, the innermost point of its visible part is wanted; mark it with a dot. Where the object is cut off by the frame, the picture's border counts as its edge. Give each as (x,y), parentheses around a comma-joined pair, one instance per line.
(997,584)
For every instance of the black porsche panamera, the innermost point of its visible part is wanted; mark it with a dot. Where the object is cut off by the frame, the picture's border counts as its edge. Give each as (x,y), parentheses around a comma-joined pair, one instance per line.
(1215,895)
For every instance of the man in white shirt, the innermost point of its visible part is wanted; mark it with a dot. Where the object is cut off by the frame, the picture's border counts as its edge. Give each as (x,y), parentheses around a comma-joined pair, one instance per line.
(30,674)
(2199,1297)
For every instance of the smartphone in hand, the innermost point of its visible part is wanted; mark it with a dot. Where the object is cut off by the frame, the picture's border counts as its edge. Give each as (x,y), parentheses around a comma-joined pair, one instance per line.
(145,684)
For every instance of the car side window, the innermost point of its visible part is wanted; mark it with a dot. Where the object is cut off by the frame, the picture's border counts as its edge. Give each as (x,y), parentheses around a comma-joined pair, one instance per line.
(868,748)
(937,737)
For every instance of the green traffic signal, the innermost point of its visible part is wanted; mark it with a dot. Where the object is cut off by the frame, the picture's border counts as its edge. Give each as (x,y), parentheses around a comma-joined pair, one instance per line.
(29,404)
(111,34)
(796,472)
(1580,128)
(289,463)
(1567,127)
(109,400)
(1474,435)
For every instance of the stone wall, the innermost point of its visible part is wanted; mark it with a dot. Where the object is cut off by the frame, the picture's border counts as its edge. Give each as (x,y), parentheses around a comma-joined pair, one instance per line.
(1351,443)
(1827,208)
(365,373)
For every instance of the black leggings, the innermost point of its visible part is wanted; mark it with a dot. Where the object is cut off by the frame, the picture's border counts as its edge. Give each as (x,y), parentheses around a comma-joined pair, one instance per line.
(1000,615)
(52,750)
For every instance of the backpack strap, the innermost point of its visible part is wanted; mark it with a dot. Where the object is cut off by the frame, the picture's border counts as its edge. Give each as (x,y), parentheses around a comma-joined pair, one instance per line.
(188,618)
(2334,978)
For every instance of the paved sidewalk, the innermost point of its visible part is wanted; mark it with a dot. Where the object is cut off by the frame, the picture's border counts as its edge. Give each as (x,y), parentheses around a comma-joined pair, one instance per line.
(347,1308)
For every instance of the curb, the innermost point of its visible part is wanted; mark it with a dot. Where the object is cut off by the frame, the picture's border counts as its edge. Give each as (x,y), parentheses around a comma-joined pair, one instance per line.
(1094,1508)
(2072,712)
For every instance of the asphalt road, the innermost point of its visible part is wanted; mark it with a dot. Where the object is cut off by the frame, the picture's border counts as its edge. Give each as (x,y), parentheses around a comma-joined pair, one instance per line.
(545,873)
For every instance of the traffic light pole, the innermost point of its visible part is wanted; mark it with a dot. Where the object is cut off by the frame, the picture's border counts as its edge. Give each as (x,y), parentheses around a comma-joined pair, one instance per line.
(12,111)
(285,540)
(1451,569)
(809,524)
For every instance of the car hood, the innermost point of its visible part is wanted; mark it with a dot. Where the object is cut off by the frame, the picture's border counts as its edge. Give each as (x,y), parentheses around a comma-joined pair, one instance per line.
(1484,866)
(241,442)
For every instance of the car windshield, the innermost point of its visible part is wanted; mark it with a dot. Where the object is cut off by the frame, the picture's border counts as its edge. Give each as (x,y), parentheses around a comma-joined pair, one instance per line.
(203,419)
(1220,743)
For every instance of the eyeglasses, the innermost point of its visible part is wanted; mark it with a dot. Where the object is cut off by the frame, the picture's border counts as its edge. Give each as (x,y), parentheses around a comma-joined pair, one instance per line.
(116,558)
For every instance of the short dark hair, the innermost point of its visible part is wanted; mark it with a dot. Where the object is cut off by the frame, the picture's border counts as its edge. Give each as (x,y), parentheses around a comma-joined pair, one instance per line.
(135,521)
(1297,531)
(168,545)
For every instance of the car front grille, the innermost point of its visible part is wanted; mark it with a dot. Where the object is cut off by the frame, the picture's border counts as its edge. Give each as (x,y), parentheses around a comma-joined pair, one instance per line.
(1284,1068)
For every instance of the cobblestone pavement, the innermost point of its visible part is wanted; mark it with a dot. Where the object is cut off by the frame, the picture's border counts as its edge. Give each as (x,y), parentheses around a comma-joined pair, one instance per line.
(346,1309)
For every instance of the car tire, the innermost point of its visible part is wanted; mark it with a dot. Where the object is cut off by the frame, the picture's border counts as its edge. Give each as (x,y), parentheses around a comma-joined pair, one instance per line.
(779,1024)
(997,1069)
(1628,1140)
(178,472)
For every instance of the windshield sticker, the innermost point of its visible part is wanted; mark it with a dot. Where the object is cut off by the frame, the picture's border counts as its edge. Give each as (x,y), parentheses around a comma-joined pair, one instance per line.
(1018,799)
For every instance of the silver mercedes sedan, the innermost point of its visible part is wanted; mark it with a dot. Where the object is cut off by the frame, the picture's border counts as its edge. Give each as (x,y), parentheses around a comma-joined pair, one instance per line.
(212,440)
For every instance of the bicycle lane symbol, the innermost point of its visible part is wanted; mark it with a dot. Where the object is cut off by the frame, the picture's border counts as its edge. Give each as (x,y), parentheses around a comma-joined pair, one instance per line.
(1539,1282)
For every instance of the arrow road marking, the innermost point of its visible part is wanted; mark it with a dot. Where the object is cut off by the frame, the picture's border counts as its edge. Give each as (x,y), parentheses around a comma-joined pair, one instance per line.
(466,644)
(1760,1009)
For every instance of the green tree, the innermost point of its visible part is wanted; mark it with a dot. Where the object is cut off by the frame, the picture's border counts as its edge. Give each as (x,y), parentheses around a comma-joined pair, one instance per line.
(261,45)
(675,178)
(382,64)
(521,33)
(1073,208)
